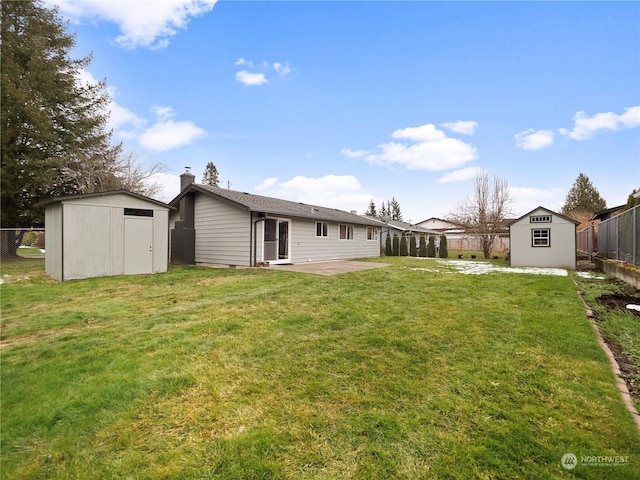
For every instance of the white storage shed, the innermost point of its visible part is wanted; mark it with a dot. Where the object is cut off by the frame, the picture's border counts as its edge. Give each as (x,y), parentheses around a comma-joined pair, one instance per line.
(543,238)
(103,234)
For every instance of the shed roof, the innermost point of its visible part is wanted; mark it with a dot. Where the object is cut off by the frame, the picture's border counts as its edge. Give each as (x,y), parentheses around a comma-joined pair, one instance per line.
(276,206)
(105,194)
(546,210)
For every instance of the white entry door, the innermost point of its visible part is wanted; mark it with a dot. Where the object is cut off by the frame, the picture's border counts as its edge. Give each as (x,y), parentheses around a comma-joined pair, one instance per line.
(138,245)
(276,244)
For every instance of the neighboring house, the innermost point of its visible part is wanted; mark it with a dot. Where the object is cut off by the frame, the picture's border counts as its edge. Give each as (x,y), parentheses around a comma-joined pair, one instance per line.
(458,238)
(440,225)
(543,238)
(221,226)
(393,227)
(102,234)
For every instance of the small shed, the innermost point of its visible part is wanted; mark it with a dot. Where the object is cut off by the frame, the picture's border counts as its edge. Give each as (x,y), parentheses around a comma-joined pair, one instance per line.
(543,238)
(103,234)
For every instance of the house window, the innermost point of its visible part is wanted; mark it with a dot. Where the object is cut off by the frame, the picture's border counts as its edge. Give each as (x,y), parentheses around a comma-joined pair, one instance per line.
(540,219)
(372,233)
(346,232)
(541,237)
(322,229)
(138,212)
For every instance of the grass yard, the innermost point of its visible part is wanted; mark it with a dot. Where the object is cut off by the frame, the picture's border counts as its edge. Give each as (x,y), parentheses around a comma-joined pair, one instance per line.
(410,371)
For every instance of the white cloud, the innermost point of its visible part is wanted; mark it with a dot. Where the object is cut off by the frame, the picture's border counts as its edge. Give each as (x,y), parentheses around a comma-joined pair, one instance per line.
(149,23)
(169,185)
(168,135)
(585,127)
(525,199)
(256,74)
(460,175)
(354,153)
(465,127)
(251,79)
(281,69)
(427,148)
(534,140)
(336,191)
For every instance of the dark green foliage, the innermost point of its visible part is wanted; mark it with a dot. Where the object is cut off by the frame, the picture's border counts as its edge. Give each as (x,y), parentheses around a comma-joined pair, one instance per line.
(422,250)
(394,209)
(431,247)
(210,176)
(404,251)
(396,245)
(583,198)
(388,250)
(443,251)
(632,201)
(371,211)
(413,251)
(50,121)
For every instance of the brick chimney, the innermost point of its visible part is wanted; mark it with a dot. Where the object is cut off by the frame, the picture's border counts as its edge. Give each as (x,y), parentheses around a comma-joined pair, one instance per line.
(187,178)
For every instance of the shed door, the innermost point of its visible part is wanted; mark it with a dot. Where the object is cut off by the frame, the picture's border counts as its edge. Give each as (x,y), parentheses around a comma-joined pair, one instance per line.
(138,245)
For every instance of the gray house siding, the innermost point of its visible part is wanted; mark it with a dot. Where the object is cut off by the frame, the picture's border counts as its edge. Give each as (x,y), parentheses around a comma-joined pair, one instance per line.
(307,247)
(222,232)
(53,246)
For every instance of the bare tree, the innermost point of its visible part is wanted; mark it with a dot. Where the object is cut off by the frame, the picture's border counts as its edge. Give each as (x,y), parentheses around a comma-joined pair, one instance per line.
(484,211)
(109,170)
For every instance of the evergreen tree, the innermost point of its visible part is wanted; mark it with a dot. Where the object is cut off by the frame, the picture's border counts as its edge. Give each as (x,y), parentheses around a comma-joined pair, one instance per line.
(394,207)
(431,247)
(371,211)
(413,251)
(210,176)
(422,250)
(396,245)
(583,199)
(444,251)
(632,200)
(383,210)
(404,250)
(388,249)
(49,120)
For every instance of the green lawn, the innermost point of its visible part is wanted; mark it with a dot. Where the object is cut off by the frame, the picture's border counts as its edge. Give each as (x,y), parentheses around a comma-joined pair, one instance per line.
(408,371)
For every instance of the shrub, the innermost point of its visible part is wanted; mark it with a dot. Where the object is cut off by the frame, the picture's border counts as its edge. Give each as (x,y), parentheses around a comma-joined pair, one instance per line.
(388,251)
(413,251)
(404,251)
(431,247)
(444,251)
(396,245)
(422,251)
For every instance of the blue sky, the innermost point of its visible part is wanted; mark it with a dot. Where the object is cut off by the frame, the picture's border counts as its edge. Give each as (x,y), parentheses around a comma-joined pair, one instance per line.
(338,103)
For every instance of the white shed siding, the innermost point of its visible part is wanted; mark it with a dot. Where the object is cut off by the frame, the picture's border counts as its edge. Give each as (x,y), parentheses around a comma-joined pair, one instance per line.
(222,232)
(86,236)
(562,250)
(53,239)
(307,247)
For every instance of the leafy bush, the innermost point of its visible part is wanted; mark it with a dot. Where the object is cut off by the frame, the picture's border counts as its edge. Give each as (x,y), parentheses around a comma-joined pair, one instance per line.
(444,251)
(431,247)
(396,245)
(413,251)
(422,251)
(388,251)
(404,251)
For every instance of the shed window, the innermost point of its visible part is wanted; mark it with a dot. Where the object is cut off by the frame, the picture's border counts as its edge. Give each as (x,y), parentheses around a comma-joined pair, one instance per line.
(346,232)
(138,212)
(372,233)
(541,237)
(540,219)
(322,229)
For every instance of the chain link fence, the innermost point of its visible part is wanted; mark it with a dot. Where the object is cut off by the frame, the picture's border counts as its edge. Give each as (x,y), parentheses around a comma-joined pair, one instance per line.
(617,238)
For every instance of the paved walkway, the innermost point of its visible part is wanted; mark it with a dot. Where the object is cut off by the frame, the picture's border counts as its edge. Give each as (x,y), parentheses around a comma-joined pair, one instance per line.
(329,268)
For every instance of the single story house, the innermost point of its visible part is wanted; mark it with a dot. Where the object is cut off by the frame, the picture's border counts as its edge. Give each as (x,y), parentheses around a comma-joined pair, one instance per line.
(103,234)
(393,227)
(543,238)
(222,226)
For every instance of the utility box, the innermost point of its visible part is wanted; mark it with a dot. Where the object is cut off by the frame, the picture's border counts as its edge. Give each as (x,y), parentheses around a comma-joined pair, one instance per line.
(104,234)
